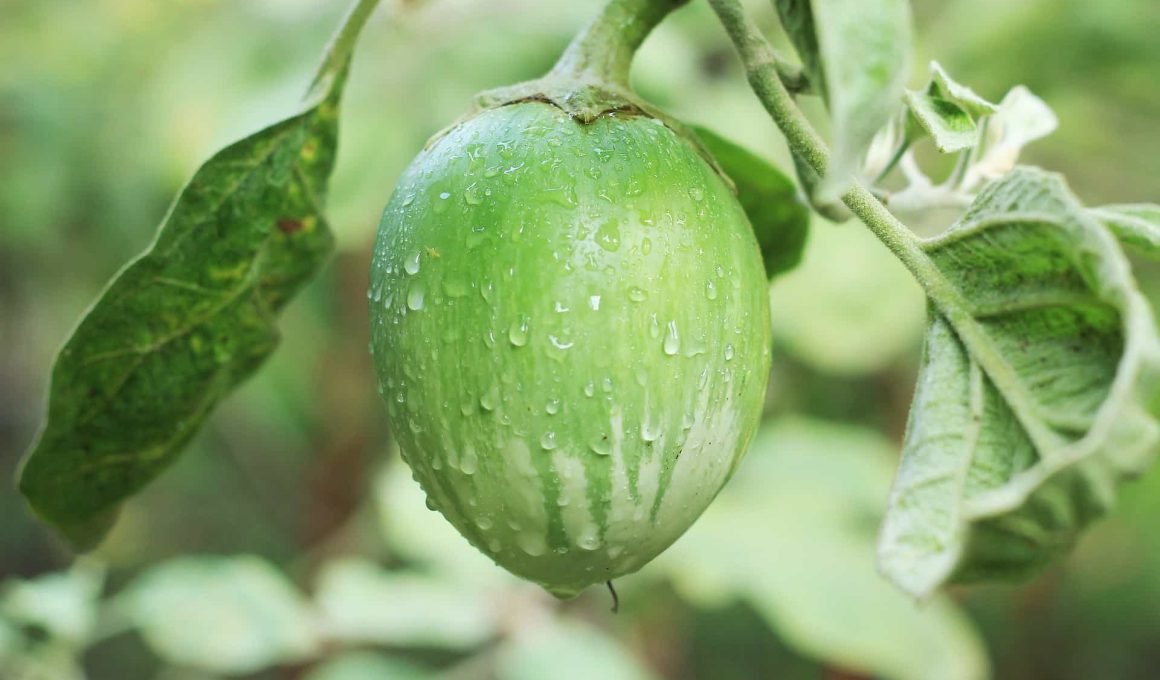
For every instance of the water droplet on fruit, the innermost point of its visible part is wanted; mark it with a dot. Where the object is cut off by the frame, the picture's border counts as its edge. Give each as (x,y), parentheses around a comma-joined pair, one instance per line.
(728,352)
(710,290)
(588,540)
(672,341)
(484,523)
(415,297)
(532,543)
(411,264)
(637,294)
(589,389)
(594,302)
(518,332)
(694,346)
(552,407)
(599,445)
(472,194)
(469,463)
(548,441)
(696,193)
(564,195)
(490,398)
(476,236)
(608,236)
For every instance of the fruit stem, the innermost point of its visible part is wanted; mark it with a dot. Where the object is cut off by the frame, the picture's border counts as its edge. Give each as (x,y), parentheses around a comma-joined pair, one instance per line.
(603,50)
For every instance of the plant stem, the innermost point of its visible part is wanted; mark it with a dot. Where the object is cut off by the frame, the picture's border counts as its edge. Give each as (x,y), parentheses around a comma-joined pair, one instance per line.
(340,47)
(804,141)
(762,71)
(602,52)
(890,165)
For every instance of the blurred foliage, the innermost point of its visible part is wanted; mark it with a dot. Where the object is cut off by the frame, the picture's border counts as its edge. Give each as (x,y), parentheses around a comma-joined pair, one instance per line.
(106,108)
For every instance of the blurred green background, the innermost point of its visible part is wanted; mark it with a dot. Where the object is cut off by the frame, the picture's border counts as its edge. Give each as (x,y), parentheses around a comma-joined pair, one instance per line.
(289,541)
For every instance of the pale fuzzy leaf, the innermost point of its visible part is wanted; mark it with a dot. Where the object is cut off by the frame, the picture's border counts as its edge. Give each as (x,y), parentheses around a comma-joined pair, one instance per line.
(805,504)
(567,650)
(1135,224)
(1021,119)
(221,614)
(884,146)
(865,52)
(363,665)
(361,603)
(64,604)
(856,52)
(948,125)
(943,86)
(1034,404)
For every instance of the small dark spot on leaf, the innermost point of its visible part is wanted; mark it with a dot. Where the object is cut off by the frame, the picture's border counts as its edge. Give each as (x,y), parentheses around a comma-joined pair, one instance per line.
(288,225)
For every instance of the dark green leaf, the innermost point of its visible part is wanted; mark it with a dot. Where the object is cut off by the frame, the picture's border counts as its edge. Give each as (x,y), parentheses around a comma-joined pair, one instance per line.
(1036,396)
(855,53)
(779,218)
(192,317)
(1136,224)
(797,18)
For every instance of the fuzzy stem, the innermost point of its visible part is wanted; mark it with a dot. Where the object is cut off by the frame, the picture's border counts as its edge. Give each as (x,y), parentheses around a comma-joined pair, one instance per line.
(804,141)
(761,69)
(602,52)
